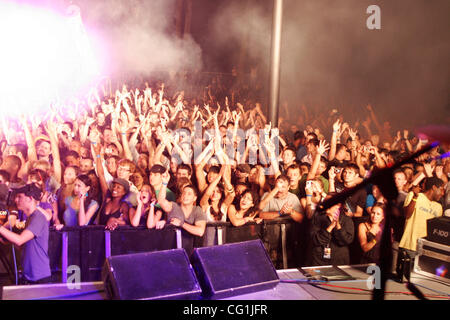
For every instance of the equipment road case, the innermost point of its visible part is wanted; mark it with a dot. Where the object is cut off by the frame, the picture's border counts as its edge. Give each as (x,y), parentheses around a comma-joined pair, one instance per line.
(432,260)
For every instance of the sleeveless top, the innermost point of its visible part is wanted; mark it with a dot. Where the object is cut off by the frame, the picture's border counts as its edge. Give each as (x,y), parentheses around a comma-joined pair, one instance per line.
(70,215)
(373,255)
(105,217)
(210,216)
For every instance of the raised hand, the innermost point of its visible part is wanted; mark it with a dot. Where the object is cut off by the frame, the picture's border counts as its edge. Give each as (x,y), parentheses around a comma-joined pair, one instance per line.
(322,147)
(50,127)
(428,169)
(165,177)
(344,127)
(337,126)
(352,133)
(439,171)
(405,134)
(89,121)
(332,173)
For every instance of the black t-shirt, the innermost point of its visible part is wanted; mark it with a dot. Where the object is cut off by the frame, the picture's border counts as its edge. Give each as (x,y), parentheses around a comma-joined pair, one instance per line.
(356,199)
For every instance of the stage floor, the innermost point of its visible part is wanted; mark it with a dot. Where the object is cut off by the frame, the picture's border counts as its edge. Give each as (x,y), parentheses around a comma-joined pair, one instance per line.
(333,290)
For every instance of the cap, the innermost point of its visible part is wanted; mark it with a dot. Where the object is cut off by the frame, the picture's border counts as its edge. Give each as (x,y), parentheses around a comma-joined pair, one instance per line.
(244,168)
(157,168)
(124,183)
(30,190)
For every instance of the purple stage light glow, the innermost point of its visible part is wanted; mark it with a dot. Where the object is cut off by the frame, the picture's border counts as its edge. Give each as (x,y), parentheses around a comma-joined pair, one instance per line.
(46,57)
(441,271)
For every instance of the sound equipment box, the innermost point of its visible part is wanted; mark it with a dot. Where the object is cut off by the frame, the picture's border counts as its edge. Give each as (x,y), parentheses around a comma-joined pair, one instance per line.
(438,230)
(234,269)
(150,276)
(432,260)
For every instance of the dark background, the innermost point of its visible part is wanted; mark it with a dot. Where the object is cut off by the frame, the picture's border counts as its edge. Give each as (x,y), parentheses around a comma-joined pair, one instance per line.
(329,57)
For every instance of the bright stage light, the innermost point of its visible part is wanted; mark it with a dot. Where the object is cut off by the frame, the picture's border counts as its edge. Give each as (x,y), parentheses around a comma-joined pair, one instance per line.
(44,57)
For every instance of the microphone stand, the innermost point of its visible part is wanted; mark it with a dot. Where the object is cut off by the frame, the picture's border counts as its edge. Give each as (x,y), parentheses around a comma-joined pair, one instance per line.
(384,179)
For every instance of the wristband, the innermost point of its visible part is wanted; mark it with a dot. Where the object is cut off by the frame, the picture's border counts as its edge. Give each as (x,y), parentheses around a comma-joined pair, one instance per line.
(164,183)
(309,195)
(279,213)
(414,199)
(98,156)
(94,143)
(123,133)
(152,204)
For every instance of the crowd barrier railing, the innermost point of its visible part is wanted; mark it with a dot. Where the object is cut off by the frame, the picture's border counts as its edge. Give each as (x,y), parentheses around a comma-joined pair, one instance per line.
(271,232)
(86,248)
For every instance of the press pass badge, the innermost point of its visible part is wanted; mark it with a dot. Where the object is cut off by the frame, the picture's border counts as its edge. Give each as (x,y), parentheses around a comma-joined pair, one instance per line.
(327,252)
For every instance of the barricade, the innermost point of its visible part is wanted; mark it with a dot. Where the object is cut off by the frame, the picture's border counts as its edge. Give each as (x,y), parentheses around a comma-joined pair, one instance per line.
(87,247)
(279,235)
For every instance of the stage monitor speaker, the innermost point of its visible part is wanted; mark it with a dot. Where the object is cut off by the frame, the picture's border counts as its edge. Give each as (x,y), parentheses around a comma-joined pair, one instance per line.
(150,276)
(234,269)
(438,230)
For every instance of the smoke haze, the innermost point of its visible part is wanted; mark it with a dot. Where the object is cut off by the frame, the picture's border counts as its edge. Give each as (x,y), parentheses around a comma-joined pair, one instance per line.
(331,59)
(137,36)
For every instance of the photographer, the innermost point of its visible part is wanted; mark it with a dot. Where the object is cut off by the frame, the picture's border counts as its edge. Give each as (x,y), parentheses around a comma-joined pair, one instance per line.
(34,239)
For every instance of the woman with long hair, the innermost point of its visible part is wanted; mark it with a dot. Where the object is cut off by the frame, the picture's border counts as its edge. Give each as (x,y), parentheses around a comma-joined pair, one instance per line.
(246,210)
(215,203)
(145,214)
(369,234)
(80,207)
(65,191)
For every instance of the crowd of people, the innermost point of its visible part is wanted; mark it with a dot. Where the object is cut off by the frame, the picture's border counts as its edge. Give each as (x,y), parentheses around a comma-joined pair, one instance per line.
(152,155)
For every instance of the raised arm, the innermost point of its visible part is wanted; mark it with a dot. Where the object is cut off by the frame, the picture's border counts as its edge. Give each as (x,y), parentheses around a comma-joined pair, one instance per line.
(210,189)
(32,155)
(336,129)
(97,155)
(123,126)
(51,131)
(229,189)
(165,204)
(321,149)
(261,114)
(205,155)
(85,216)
